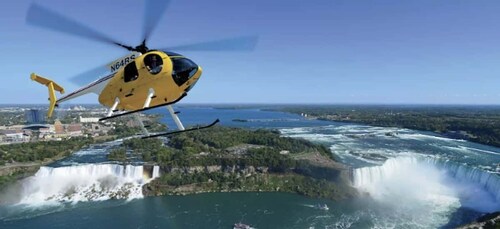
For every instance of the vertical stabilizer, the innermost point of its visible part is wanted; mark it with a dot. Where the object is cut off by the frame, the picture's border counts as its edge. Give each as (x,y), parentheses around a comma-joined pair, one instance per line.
(53,87)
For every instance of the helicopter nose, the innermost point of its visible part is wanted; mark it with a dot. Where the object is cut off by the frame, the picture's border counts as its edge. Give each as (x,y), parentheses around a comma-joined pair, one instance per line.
(200,70)
(195,79)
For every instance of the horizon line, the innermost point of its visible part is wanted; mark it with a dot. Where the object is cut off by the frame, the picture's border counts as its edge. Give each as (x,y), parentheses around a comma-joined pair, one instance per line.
(256,103)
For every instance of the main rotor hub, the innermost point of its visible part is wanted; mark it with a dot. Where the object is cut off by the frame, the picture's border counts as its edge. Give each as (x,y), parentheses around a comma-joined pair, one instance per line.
(142,48)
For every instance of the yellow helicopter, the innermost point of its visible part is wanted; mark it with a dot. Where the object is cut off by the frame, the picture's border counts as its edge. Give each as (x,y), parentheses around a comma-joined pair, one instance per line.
(142,80)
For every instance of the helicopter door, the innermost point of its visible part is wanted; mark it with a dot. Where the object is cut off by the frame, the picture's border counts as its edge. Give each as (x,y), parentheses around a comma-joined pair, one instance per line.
(130,72)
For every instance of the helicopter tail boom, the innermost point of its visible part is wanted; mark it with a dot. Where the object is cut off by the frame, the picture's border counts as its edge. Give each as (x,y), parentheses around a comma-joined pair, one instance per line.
(53,87)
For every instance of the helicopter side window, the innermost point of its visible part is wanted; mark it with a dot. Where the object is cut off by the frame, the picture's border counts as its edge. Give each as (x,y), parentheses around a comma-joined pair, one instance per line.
(183,70)
(130,72)
(154,63)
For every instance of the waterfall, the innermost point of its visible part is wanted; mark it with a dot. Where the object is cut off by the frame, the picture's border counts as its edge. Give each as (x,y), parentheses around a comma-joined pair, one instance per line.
(91,182)
(156,172)
(487,180)
(430,178)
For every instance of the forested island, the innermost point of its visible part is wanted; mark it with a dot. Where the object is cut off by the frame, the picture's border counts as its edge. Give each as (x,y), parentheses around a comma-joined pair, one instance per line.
(222,159)
(21,160)
(479,124)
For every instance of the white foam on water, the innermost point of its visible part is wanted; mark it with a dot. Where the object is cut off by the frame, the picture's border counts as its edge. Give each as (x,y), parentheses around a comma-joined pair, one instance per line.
(69,163)
(91,182)
(417,136)
(366,129)
(428,190)
(409,188)
(476,184)
(414,189)
(481,150)
(87,152)
(296,130)
(456,148)
(322,137)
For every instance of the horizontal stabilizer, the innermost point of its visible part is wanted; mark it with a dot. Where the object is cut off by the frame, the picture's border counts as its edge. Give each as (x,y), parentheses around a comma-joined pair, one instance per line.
(46,82)
(53,87)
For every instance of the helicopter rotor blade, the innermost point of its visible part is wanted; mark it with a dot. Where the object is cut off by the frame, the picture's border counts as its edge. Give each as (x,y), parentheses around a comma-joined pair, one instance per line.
(90,75)
(238,44)
(49,19)
(153,12)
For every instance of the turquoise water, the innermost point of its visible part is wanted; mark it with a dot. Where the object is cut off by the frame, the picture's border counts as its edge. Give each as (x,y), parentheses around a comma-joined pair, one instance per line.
(415,180)
(213,210)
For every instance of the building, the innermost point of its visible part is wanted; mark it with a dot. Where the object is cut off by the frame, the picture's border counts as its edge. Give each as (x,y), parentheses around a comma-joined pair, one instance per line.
(98,129)
(74,129)
(34,116)
(45,131)
(58,127)
(13,136)
(78,108)
(89,120)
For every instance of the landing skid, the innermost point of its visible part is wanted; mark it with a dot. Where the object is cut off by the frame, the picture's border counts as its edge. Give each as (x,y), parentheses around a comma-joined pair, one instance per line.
(181,131)
(143,109)
(173,113)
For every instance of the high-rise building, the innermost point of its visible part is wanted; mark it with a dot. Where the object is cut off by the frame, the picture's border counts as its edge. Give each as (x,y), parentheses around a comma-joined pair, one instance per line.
(34,116)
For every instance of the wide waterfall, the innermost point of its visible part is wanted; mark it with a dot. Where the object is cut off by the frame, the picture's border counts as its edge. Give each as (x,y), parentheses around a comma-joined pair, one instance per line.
(487,180)
(418,178)
(90,182)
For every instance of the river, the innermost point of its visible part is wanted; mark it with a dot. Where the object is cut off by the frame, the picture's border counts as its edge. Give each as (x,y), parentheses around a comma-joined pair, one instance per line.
(413,179)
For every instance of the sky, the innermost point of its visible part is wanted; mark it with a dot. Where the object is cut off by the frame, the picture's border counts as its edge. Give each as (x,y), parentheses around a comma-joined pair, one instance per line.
(314,51)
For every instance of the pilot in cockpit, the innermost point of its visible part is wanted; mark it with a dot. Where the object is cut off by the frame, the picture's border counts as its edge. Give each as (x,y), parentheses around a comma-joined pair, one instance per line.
(155,65)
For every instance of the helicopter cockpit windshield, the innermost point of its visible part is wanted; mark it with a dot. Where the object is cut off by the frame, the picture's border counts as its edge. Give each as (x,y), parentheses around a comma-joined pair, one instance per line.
(183,69)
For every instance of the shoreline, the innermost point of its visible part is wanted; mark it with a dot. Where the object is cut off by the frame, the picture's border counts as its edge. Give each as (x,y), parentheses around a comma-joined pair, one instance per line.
(440,134)
(12,173)
(262,182)
(478,126)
